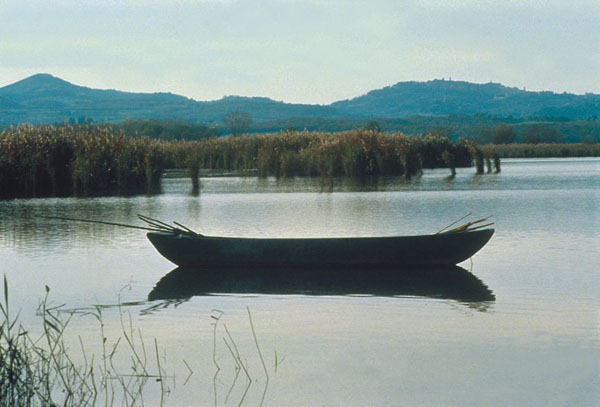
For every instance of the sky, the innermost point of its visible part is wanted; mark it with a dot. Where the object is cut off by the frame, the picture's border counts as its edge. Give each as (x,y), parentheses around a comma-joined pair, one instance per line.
(301,51)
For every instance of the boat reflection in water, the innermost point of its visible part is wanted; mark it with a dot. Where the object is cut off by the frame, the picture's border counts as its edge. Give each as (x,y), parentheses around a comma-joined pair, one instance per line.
(444,282)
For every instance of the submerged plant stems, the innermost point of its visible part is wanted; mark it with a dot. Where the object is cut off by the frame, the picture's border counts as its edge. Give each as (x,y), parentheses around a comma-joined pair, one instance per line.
(262,360)
(42,372)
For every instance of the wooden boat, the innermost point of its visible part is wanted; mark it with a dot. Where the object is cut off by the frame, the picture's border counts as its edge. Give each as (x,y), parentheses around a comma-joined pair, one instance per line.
(191,249)
(186,248)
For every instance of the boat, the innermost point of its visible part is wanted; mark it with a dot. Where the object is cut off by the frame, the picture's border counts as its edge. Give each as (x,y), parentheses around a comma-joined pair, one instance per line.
(187,248)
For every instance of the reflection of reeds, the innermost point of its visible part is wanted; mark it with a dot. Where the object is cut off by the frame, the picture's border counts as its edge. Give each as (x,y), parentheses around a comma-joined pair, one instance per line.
(240,366)
(479,161)
(496,161)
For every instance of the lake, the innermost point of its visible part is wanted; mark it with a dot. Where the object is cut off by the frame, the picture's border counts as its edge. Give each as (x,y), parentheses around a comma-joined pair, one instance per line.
(517,325)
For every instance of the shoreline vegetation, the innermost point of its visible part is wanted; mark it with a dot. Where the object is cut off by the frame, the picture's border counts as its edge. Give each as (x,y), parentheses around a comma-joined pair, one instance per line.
(54,367)
(543,150)
(87,160)
(43,370)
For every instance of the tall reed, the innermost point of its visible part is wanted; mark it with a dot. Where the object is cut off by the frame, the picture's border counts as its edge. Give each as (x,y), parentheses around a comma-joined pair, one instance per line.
(543,150)
(44,370)
(90,160)
(354,153)
(41,371)
(65,160)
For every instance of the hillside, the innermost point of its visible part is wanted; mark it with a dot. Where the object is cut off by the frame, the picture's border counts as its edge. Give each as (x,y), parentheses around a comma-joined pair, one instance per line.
(43,98)
(441,97)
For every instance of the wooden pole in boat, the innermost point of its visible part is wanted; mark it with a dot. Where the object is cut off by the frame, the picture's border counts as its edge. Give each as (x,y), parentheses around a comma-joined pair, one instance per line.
(153,229)
(160,224)
(466,226)
(156,223)
(455,222)
(186,228)
(481,227)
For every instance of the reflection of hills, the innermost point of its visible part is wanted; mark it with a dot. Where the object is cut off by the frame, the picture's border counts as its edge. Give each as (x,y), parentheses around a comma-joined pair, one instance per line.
(441,282)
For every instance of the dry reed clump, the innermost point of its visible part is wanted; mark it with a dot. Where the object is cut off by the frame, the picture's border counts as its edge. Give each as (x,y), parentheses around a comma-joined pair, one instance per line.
(354,153)
(65,160)
(543,150)
(91,160)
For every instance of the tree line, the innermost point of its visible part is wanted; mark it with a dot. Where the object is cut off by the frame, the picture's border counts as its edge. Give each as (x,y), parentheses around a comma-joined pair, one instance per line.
(481,128)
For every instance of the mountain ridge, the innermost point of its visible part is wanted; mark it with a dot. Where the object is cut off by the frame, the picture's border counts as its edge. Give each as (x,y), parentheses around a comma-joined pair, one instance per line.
(44,98)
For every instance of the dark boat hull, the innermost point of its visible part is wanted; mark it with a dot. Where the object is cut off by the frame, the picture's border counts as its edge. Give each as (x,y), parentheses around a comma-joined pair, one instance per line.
(395,251)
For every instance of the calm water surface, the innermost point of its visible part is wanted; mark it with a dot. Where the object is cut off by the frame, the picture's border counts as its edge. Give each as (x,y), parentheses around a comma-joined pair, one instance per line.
(522,329)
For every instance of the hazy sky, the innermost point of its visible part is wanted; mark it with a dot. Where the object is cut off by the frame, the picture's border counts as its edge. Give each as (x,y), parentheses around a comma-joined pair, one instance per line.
(310,51)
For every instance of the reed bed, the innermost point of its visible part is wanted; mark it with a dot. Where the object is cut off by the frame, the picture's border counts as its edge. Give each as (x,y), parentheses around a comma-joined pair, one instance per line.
(81,160)
(92,160)
(543,150)
(356,153)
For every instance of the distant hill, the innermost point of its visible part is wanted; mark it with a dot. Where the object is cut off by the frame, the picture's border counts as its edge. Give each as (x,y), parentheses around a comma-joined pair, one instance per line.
(43,98)
(442,97)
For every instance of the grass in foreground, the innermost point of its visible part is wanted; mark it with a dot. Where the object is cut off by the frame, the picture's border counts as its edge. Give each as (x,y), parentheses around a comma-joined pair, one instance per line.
(43,371)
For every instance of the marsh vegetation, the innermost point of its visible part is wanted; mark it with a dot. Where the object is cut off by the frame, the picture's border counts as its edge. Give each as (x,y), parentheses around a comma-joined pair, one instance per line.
(56,368)
(543,150)
(86,160)
(43,370)
(92,160)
